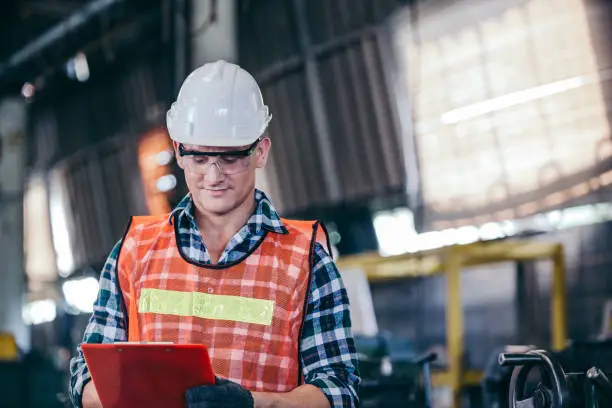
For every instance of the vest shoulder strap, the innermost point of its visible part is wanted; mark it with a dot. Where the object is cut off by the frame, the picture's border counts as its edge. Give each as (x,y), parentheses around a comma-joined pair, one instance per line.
(307,227)
(146,224)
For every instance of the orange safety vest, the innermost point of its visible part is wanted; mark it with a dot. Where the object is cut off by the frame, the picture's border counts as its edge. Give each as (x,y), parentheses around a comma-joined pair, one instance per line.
(249,314)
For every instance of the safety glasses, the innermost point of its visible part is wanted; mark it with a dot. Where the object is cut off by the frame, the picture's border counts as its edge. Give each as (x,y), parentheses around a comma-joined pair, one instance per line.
(229,162)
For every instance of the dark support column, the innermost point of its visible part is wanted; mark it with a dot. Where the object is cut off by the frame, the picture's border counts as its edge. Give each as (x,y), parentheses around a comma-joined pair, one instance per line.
(12,171)
(181,42)
(317,103)
(529,319)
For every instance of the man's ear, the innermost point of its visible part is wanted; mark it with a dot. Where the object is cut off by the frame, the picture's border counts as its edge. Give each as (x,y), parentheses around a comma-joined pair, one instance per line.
(262,151)
(177,156)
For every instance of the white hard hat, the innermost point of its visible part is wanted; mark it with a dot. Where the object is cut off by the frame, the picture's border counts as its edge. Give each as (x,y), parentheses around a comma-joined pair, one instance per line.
(219,104)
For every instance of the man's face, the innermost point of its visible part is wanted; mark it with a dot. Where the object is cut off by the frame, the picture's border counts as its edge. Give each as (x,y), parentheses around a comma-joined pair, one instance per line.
(212,189)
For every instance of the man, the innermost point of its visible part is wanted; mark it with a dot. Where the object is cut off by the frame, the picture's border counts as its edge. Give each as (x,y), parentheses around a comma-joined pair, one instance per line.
(292,346)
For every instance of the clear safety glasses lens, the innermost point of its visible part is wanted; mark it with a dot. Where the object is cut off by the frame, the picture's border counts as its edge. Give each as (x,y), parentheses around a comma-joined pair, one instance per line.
(227,162)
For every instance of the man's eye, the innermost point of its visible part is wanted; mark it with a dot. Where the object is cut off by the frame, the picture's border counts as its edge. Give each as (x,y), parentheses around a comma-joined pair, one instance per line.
(200,159)
(228,159)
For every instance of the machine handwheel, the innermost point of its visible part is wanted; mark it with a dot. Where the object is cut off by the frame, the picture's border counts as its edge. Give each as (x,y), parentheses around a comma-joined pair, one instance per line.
(550,392)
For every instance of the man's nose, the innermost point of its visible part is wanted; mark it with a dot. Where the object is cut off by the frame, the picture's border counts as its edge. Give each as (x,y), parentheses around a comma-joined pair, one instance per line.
(214,173)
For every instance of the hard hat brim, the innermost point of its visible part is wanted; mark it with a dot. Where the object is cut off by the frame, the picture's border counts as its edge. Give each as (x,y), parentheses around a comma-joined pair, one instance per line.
(219,141)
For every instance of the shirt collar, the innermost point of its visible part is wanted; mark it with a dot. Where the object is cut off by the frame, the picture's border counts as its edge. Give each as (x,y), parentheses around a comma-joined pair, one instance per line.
(264,217)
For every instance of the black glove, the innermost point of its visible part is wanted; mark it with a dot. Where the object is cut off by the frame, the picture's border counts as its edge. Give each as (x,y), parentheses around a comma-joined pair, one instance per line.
(224,394)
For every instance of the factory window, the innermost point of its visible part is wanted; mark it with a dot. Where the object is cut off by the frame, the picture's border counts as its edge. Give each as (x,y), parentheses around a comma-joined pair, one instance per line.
(397,235)
(61,223)
(509,117)
(39,255)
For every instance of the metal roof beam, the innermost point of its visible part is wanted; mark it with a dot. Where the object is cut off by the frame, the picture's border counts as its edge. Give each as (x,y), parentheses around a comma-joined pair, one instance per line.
(78,19)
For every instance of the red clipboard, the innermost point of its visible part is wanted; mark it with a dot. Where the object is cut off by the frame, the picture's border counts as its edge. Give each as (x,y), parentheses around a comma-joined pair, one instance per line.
(129,375)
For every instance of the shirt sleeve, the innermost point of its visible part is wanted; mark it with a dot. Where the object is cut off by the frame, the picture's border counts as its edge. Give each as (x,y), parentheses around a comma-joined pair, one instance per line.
(327,347)
(107,324)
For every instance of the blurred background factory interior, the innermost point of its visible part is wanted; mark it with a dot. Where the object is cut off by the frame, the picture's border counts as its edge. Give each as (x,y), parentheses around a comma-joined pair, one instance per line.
(459,152)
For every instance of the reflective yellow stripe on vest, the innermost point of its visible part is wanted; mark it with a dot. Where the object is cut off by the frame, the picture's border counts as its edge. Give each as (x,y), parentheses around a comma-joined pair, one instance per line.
(206,306)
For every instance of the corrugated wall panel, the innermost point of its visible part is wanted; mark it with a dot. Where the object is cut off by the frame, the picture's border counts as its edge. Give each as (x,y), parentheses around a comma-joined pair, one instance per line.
(130,98)
(89,137)
(330,19)
(104,191)
(362,125)
(42,138)
(117,172)
(295,148)
(338,44)
(280,155)
(389,140)
(266,33)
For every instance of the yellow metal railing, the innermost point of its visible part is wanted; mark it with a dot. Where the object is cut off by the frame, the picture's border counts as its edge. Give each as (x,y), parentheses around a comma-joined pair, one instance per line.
(450,261)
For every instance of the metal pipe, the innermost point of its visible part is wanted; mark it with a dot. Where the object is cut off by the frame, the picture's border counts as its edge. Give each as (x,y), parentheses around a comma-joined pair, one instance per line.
(600,379)
(76,20)
(455,341)
(516,359)
(559,301)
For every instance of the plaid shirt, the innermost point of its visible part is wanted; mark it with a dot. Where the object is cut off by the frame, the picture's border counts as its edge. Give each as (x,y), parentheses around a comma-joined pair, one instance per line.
(327,348)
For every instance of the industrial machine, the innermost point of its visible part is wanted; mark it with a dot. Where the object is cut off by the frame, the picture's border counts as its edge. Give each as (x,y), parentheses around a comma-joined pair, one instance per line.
(393,376)
(528,377)
(552,386)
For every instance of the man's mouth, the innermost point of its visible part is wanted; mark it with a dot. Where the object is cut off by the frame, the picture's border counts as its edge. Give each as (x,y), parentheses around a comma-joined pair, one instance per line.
(215,189)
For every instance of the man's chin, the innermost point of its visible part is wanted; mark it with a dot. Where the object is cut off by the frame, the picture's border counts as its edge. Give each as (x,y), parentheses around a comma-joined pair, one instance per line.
(217,202)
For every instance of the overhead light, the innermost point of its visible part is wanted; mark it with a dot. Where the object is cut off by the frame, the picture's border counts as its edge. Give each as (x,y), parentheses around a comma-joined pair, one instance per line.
(39,312)
(491,230)
(78,68)
(27,91)
(164,157)
(395,231)
(166,183)
(81,294)
(467,235)
(512,99)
